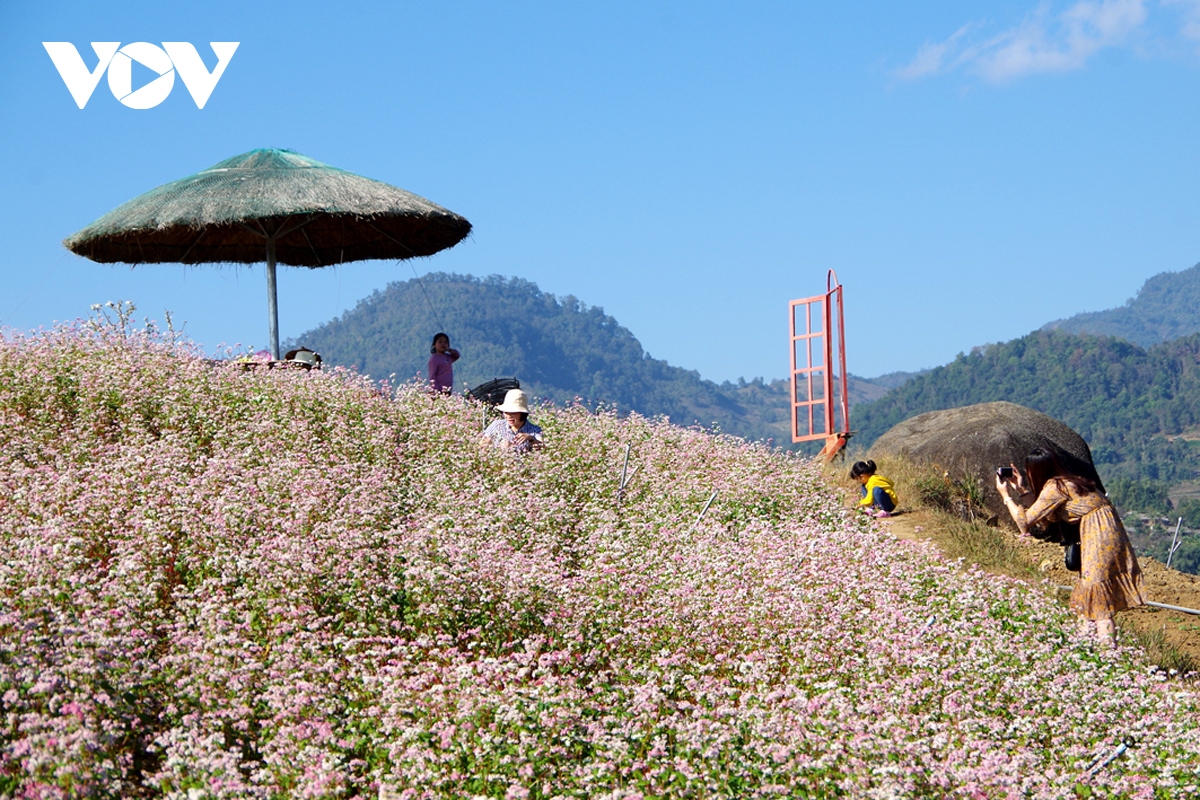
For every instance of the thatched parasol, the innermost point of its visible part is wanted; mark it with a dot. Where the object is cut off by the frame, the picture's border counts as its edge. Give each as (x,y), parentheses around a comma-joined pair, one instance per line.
(275,206)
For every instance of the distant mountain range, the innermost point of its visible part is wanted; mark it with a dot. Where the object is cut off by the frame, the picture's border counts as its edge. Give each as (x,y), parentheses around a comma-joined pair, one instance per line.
(1166,307)
(1123,378)
(559,348)
(1127,379)
(1135,405)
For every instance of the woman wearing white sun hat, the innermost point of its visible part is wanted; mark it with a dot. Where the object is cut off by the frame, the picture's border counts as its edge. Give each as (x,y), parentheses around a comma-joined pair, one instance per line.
(515,432)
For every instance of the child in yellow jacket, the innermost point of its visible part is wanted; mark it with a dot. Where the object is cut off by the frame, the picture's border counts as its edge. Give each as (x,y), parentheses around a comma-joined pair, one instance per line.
(878,494)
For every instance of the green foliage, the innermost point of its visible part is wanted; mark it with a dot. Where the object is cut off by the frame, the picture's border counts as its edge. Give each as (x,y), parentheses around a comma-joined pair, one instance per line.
(1189,509)
(1128,403)
(1187,555)
(1158,544)
(1166,307)
(962,498)
(1161,653)
(1133,494)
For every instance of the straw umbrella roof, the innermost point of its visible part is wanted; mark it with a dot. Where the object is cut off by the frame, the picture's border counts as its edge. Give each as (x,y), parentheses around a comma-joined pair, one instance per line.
(274,206)
(316,215)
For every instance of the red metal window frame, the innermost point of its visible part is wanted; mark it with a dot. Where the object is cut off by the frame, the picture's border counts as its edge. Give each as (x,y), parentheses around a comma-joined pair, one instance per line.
(820,406)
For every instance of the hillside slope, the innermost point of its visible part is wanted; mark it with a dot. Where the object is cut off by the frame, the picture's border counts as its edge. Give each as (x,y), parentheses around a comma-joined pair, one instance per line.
(1166,307)
(1127,402)
(283,583)
(559,348)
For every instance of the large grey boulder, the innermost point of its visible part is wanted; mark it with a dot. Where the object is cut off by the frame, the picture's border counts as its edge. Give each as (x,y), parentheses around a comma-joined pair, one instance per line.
(974,440)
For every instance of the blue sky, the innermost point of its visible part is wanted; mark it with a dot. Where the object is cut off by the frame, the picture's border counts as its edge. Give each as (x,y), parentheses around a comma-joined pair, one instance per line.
(971,170)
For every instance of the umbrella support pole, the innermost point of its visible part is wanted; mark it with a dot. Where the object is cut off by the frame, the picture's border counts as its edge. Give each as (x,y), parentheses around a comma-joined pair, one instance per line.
(272,305)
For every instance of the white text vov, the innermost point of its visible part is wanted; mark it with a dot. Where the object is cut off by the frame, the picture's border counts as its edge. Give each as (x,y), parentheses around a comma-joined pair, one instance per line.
(172,57)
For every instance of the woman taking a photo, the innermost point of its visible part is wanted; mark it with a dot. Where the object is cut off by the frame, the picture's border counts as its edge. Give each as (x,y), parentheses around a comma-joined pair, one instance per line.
(1110,579)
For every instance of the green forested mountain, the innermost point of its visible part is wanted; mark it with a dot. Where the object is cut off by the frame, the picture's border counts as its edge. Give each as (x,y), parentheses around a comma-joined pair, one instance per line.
(559,348)
(1166,307)
(1138,408)
(891,380)
(1131,404)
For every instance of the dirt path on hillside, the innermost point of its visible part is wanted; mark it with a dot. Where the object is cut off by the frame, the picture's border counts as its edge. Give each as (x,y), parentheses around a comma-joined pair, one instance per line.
(1166,586)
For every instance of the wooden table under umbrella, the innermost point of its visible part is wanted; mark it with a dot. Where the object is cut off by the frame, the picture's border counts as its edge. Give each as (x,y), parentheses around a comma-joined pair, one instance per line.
(275,206)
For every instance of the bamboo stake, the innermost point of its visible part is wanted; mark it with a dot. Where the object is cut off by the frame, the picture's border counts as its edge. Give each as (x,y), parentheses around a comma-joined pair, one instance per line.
(704,510)
(1180,609)
(1100,762)
(621,483)
(1174,542)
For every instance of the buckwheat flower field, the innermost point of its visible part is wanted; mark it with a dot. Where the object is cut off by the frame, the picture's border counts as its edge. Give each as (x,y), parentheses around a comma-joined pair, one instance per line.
(218,583)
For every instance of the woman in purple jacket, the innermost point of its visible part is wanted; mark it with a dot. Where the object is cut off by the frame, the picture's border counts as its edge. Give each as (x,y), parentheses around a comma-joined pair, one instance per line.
(442,356)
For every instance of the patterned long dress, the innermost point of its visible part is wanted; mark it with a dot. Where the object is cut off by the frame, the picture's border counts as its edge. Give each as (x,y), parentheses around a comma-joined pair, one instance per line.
(1110,579)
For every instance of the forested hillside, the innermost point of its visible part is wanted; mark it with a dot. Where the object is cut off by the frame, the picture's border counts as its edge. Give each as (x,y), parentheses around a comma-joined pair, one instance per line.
(1166,307)
(1131,404)
(1137,407)
(559,348)
(1139,410)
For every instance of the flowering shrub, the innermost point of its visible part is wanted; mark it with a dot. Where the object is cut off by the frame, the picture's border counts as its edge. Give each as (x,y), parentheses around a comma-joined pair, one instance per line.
(227,583)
